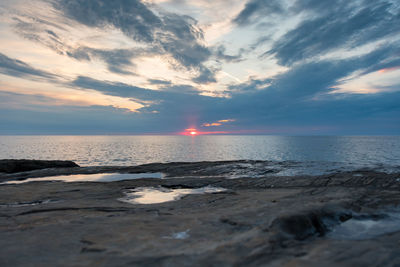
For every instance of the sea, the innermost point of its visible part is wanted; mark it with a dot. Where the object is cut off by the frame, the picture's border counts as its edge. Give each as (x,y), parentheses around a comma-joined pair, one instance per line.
(306,154)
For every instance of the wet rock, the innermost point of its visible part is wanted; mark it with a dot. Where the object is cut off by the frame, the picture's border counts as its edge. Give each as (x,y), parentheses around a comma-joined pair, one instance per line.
(251,224)
(308,224)
(23,165)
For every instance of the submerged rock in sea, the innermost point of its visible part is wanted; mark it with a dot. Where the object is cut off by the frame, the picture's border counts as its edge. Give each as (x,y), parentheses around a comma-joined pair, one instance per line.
(23,165)
(264,221)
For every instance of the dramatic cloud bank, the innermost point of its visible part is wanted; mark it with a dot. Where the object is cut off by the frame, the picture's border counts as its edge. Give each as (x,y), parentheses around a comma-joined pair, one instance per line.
(162,66)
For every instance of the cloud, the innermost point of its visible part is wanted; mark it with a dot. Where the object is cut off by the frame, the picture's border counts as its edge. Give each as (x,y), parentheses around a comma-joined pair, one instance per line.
(130,16)
(169,104)
(118,60)
(176,38)
(167,33)
(250,86)
(18,68)
(17,101)
(122,34)
(319,6)
(221,55)
(67,120)
(256,9)
(117,89)
(206,76)
(218,123)
(295,98)
(389,59)
(344,24)
(168,92)
(299,97)
(40,31)
(35,101)
(156,81)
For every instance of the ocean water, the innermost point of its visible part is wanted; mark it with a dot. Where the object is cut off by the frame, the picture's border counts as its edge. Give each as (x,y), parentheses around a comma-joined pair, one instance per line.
(321,153)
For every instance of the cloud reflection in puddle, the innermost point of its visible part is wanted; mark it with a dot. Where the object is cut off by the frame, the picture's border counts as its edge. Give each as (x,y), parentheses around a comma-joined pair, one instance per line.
(153,195)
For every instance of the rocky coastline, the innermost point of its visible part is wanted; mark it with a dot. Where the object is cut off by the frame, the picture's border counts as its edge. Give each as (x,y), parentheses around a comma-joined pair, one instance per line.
(269,220)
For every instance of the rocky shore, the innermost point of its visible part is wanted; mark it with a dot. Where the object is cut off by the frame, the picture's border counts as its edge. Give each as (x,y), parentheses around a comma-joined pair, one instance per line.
(269,220)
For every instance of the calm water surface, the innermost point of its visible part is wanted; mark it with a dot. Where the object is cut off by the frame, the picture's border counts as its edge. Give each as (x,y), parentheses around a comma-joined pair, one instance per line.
(315,151)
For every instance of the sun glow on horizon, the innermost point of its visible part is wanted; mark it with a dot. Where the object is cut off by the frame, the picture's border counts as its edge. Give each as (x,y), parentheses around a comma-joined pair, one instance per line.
(190,131)
(195,132)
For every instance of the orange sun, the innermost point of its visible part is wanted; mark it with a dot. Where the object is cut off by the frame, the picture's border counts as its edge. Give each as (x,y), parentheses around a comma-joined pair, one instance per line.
(193,133)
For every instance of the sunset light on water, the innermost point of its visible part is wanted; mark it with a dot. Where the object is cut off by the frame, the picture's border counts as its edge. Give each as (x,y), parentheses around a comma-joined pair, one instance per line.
(195,132)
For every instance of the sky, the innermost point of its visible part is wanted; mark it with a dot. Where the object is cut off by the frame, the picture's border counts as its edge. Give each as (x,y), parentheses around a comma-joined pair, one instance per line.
(281,67)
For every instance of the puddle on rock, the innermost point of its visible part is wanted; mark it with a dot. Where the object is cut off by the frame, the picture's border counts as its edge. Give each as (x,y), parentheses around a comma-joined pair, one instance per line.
(98,177)
(366,227)
(179,235)
(153,195)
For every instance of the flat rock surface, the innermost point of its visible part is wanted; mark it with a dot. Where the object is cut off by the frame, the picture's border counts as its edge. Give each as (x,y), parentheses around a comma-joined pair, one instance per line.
(22,165)
(271,221)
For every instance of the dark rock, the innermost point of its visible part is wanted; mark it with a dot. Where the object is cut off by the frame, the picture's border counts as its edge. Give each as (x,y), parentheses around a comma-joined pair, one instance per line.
(252,224)
(23,165)
(308,224)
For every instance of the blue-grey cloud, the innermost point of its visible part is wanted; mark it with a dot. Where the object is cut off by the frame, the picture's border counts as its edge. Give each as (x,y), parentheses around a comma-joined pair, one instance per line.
(18,68)
(118,60)
(130,16)
(66,120)
(173,34)
(81,53)
(388,58)
(39,30)
(169,107)
(285,100)
(320,7)
(316,77)
(256,9)
(168,91)
(220,54)
(252,85)
(344,24)
(117,89)
(299,97)
(163,33)
(157,81)
(206,76)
